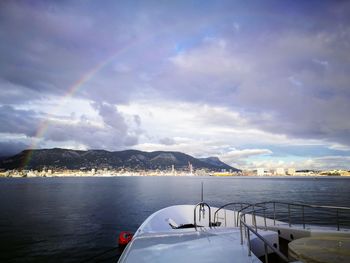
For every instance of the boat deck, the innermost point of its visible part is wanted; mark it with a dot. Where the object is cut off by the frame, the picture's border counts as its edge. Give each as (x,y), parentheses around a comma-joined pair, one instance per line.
(204,245)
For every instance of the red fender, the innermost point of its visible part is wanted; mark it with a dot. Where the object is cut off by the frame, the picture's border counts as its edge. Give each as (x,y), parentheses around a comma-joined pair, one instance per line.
(124,238)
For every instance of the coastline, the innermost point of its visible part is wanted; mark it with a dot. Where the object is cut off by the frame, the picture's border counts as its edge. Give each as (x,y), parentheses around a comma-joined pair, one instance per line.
(136,174)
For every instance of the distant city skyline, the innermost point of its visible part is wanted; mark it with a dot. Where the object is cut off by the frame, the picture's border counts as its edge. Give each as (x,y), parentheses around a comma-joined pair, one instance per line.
(256,83)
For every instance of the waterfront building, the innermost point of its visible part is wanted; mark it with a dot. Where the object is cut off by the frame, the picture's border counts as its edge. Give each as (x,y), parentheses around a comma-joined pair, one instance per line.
(260,171)
(291,171)
(31,174)
(280,171)
(190,168)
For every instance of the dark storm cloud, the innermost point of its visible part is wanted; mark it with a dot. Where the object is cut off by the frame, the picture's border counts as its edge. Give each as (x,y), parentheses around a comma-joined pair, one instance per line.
(167,141)
(119,130)
(111,117)
(18,121)
(46,47)
(15,94)
(297,75)
(283,65)
(115,134)
(91,136)
(11,147)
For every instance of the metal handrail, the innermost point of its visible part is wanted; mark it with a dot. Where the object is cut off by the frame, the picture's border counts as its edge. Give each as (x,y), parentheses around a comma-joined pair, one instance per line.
(255,209)
(303,206)
(263,207)
(201,205)
(307,205)
(216,215)
(255,231)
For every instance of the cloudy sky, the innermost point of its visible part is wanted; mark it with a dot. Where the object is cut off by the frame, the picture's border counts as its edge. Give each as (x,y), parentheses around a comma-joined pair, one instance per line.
(256,83)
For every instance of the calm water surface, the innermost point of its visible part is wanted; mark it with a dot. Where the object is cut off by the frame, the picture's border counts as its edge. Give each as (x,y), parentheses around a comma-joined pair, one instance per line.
(79,219)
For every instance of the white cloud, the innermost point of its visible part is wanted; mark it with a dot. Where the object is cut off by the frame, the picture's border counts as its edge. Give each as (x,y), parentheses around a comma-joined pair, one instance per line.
(224,88)
(239,157)
(316,163)
(167,141)
(329,162)
(321,62)
(211,58)
(274,164)
(339,147)
(239,154)
(202,130)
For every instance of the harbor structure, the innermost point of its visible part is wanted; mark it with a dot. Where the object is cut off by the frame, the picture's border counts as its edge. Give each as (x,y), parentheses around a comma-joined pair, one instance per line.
(280,171)
(190,168)
(291,171)
(260,171)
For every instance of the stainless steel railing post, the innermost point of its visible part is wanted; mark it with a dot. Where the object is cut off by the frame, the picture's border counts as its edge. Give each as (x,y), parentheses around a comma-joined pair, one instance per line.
(274,213)
(249,244)
(265,218)
(201,204)
(250,228)
(240,228)
(225,217)
(266,254)
(338,227)
(234,217)
(254,219)
(289,220)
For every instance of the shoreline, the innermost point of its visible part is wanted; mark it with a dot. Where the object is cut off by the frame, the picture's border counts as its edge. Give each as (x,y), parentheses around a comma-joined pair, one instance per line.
(178,175)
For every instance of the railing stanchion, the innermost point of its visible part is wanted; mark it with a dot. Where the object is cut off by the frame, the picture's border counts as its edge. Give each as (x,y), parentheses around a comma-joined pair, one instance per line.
(225,217)
(338,228)
(289,215)
(249,243)
(254,219)
(265,218)
(234,217)
(201,206)
(274,213)
(250,227)
(240,228)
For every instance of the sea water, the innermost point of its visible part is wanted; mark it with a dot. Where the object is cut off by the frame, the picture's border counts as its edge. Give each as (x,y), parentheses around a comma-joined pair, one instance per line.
(79,219)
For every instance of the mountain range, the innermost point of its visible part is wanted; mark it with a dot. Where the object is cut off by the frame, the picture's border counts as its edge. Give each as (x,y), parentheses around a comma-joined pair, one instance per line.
(58,158)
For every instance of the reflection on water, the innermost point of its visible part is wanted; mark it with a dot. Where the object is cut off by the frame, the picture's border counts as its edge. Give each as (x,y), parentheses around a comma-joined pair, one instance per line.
(75,219)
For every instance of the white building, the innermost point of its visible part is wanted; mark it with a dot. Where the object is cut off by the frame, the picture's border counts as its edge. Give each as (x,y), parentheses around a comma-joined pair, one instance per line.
(280,171)
(291,171)
(260,171)
(190,168)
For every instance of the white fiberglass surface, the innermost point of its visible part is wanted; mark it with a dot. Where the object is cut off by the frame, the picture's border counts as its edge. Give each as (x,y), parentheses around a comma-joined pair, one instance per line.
(196,246)
(181,214)
(159,221)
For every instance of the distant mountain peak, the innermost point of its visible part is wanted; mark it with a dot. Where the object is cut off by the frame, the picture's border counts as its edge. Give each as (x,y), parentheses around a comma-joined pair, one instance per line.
(213,160)
(58,158)
(165,156)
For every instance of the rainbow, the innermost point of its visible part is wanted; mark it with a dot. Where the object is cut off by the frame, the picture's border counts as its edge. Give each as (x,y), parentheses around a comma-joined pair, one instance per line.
(73,89)
(80,83)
